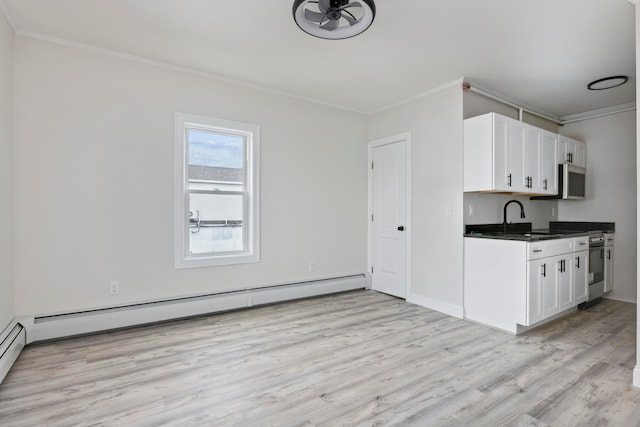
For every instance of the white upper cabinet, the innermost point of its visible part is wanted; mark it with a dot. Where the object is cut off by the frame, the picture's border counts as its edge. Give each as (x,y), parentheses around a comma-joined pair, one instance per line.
(531,158)
(497,131)
(505,155)
(572,151)
(549,163)
(517,166)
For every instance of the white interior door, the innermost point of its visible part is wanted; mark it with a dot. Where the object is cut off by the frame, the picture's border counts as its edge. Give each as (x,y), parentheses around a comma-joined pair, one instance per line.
(389,218)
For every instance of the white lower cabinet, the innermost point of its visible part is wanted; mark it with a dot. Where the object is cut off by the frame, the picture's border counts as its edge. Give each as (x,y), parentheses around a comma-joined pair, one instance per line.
(580,276)
(512,285)
(550,287)
(564,274)
(537,282)
(608,263)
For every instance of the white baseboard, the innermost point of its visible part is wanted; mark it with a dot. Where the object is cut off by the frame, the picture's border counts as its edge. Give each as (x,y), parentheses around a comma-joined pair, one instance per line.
(12,341)
(620,299)
(636,376)
(86,322)
(437,305)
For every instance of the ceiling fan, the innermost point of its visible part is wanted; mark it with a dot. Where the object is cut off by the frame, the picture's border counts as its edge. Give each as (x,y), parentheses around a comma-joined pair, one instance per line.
(333,19)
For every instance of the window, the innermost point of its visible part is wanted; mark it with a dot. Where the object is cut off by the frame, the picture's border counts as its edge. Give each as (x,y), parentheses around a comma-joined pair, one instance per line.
(216,192)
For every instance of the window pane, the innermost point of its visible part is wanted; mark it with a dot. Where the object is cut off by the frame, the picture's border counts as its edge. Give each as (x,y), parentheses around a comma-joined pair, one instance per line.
(216,163)
(208,148)
(216,223)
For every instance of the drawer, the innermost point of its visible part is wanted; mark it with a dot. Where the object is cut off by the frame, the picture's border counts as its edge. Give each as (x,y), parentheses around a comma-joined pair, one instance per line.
(608,239)
(580,243)
(547,248)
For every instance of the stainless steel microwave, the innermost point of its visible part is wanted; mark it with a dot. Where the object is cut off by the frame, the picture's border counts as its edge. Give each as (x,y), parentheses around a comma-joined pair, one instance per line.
(571,183)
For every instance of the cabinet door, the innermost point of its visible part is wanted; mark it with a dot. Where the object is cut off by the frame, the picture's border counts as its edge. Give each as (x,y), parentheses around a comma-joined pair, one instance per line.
(537,273)
(608,268)
(517,157)
(550,304)
(533,141)
(502,176)
(566,295)
(549,163)
(580,276)
(572,151)
(579,156)
(563,149)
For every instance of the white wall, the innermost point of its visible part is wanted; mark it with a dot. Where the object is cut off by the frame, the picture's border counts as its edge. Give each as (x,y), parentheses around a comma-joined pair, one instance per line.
(94,181)
(6,173)
(435,123)
(611,191)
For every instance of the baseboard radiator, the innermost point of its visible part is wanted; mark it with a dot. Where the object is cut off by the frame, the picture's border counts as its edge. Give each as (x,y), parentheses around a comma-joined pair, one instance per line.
(12,341)
(87,322)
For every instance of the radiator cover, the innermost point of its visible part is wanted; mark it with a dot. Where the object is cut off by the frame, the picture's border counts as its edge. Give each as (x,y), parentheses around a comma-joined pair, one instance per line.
(44,328)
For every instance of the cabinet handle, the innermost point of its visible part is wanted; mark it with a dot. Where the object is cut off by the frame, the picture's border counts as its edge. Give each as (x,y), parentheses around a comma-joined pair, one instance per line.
(544,270)
(577,262)
(601,253)
(545,183)
(583,243)
(609,254)
(530,182)
(509,183)
(571,157)
(537,250)
(561,266)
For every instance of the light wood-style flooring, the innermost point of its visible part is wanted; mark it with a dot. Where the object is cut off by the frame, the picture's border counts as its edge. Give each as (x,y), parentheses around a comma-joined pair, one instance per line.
(358,358)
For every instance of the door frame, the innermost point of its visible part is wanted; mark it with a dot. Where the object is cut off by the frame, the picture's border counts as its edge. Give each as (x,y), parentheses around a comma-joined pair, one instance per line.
(406,136)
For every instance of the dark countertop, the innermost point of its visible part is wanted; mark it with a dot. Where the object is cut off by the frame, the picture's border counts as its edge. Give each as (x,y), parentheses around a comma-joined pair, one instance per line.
(533,236)
(523,231)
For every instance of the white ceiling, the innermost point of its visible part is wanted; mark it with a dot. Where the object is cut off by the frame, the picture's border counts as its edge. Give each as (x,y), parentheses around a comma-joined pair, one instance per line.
(540,53)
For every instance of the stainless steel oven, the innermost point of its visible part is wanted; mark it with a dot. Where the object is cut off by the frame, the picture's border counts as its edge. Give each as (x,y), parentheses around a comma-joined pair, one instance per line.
(596,268)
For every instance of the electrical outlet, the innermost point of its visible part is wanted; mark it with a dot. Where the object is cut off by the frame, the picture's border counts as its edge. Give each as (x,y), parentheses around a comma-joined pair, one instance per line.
(312,266)
(472,211)
(553,211)
(114,288)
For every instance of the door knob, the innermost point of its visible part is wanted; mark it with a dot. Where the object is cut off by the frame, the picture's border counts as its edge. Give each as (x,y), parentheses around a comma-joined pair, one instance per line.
(401,228)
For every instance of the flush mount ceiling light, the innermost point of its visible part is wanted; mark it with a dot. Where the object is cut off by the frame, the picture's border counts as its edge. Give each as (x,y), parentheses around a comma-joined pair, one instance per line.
(333,19)
(607,82)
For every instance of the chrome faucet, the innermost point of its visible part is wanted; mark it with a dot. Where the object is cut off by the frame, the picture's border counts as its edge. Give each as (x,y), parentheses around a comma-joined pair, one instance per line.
(504,217)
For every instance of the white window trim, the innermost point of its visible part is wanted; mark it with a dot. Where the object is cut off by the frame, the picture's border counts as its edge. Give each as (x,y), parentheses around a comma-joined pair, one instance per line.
(181,195)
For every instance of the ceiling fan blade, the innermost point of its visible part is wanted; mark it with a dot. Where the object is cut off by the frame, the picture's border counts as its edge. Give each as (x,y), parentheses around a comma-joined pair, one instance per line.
(324,5)
(330,26)
(354,4)
(314,16)
(350,18)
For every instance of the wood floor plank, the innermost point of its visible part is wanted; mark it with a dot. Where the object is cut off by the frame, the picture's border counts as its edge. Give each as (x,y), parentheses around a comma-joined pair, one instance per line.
(357,358)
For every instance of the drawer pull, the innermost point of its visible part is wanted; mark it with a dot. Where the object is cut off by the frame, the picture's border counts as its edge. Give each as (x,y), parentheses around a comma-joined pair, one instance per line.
(537,250)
